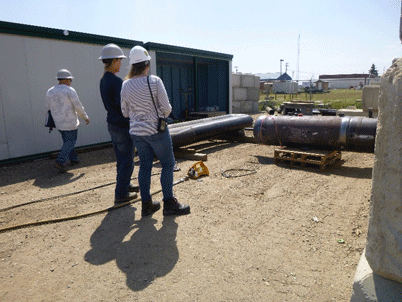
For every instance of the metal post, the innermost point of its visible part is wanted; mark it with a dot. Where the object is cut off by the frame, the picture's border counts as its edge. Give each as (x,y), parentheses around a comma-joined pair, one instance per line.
(400,25)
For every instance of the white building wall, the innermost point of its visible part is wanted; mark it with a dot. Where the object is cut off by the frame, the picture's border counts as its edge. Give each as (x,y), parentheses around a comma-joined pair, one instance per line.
(152,54)
(230,89)
(28,68)
(344,84)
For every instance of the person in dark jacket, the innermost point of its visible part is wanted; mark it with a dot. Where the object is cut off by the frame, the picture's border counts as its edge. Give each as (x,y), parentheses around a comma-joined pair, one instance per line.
(118,125)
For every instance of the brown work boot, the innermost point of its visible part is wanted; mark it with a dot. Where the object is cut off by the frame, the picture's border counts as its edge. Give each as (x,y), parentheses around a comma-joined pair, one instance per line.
(172,207)
(149,207)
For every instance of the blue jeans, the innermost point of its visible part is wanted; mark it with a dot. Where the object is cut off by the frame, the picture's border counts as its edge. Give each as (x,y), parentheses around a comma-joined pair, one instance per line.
(159,144)
(67,151)
(124,150)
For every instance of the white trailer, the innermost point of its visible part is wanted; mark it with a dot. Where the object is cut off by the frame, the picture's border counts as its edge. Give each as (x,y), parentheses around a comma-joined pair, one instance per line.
(285,87)
(30,57)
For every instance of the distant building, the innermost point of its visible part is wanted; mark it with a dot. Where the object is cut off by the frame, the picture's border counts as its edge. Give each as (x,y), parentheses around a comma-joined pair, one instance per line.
(287,87)
(305,84)
(322,85)
(345,81)
(267,77)
(268,80)
(284,77)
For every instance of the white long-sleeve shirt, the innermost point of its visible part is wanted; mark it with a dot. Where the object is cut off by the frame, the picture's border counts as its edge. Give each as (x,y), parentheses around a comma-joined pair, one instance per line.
(63,102)
(136,103)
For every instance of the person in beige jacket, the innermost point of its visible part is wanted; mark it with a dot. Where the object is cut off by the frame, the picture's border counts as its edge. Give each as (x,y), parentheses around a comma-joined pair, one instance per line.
(65,106)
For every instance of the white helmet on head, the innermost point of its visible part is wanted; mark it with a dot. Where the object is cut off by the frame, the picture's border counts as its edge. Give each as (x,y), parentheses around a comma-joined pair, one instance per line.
(139,54)
(112,51)
(64,74)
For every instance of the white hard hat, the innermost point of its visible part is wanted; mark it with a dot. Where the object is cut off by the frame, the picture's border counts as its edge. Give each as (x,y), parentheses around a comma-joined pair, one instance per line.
(112,51)
(139,54)
(64,74)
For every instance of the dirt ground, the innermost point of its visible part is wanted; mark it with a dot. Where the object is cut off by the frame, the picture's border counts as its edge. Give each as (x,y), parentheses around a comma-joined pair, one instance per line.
(279,234)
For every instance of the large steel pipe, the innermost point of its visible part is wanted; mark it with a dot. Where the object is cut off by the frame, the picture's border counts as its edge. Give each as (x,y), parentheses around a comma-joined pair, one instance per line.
(321,132)
(193,131)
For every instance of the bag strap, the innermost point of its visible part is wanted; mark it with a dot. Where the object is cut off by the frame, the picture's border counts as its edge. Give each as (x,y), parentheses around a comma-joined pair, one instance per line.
(153,101)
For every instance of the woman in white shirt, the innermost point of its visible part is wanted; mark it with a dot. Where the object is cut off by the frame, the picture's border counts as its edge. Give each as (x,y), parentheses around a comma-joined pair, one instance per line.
(144,110)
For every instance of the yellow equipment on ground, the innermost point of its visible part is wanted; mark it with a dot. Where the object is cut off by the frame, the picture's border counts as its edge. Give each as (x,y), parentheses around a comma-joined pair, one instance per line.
(197,170)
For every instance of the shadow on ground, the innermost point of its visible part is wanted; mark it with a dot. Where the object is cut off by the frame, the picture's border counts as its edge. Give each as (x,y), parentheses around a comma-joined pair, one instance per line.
(141,251)
(46,175)
(336,169)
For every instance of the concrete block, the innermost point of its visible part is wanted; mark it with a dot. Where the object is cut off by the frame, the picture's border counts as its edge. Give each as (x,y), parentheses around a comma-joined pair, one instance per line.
(236,79)
(370,97)
(236,110)
(256,107)
(368,286)
(257,82)
(247,107)
(384,237)
(239,94)
(253,94)
(236,104)
(247,80)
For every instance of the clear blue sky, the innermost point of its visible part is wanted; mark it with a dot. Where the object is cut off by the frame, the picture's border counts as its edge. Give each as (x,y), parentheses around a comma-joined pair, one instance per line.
(336,36)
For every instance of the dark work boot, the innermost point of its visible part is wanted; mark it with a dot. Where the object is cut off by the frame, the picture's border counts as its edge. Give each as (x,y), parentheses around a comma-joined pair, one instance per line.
(132,188)
(173,207)
(129,196)
(149,207)
(60,167)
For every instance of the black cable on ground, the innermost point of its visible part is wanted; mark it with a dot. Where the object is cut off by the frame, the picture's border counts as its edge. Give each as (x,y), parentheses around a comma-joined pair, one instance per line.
(63,195)
(230,173)
(37,223)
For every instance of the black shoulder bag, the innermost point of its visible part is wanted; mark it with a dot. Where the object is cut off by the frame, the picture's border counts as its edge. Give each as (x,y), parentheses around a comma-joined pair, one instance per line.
(49,122)
(162,123)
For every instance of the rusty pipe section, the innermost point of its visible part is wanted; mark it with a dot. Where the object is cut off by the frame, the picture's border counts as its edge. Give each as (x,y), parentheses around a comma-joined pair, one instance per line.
(349,133)
(193,131)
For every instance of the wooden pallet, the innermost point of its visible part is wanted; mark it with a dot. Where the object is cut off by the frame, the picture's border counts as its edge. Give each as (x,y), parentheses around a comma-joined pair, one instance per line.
(298,157)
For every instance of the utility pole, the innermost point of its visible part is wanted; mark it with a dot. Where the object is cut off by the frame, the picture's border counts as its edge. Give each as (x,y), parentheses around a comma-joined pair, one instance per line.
(281,67)
(298,58)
